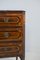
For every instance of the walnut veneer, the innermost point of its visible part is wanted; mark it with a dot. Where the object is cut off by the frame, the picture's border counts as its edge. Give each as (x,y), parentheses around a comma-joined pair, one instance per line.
(12,34)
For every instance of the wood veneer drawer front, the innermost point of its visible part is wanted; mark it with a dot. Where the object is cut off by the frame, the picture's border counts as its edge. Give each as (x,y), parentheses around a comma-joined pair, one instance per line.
(11,35)
(11,48)
(14,20)
(14,29)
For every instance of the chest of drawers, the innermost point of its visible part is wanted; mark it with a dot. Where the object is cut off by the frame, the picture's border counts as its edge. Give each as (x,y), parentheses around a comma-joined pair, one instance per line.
(12,34)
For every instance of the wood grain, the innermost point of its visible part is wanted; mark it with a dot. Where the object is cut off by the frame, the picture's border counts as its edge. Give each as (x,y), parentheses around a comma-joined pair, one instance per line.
(12,33)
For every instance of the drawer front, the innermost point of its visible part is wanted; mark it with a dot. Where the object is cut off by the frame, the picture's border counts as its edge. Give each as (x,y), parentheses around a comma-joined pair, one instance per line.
(8,36)
(11,21)
(11,49)
(11,29)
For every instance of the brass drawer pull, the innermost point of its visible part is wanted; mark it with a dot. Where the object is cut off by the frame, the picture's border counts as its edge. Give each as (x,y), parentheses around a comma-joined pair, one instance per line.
(5,49)
(6,34)
(9,49)
(6,20)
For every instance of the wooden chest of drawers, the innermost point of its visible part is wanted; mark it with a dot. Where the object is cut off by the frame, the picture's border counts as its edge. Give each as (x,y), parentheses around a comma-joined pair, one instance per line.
(12,34)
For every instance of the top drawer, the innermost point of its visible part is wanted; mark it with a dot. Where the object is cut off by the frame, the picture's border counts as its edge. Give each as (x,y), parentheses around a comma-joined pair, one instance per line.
(11,19)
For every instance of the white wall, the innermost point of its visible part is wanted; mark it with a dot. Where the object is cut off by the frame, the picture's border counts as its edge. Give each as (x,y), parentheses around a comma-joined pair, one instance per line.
(32,23)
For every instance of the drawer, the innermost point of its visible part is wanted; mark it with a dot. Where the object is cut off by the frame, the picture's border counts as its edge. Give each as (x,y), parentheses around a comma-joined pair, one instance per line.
(11,48)
(11,36)
(8,49)
(11,29)
(11,21)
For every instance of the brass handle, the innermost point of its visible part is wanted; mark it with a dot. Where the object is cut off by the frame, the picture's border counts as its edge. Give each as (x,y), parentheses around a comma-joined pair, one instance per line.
(6,34)
(5,49)
(6,20)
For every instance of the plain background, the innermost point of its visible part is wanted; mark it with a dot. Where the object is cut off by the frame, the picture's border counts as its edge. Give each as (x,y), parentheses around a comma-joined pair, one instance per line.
(32,25)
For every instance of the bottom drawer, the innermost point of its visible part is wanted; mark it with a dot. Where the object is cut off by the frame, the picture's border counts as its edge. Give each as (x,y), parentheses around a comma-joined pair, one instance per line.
(10,49)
